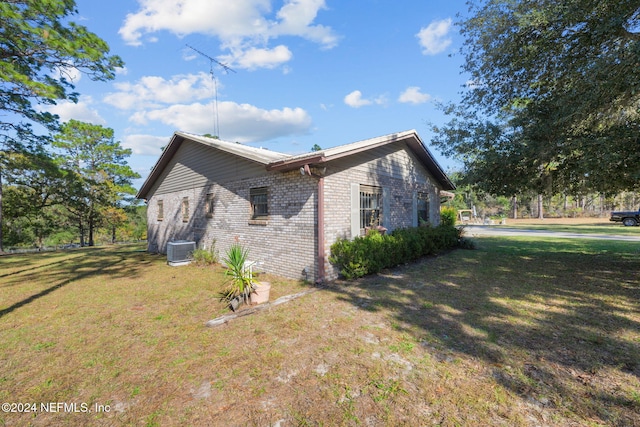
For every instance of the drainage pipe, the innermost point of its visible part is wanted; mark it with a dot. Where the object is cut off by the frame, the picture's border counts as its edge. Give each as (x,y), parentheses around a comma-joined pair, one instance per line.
(320,211)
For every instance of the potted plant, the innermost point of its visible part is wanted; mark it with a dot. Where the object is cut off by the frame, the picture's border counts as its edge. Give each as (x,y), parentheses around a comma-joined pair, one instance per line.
(241,284)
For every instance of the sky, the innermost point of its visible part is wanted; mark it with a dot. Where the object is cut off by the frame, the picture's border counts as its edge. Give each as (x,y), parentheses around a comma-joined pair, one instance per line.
(294,73)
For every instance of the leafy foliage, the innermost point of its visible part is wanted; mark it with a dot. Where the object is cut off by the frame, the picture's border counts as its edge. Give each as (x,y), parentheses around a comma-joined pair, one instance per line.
(553,100)
(371,253)
(448,216)
(241,282)
(40,49)
(97,175)
(204,257)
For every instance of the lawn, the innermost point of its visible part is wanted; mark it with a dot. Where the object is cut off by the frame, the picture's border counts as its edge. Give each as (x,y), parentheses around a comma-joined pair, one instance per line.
(573,225)
(520,331)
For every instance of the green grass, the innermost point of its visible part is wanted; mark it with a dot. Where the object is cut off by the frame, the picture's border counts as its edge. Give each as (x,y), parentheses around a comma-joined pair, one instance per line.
(612,229)
(520,331)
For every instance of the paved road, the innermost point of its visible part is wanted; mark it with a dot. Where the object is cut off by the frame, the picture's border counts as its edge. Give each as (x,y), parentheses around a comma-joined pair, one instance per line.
(484,230)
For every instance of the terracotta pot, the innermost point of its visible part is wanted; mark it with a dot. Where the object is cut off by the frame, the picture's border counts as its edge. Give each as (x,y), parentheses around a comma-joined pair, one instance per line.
(261,293)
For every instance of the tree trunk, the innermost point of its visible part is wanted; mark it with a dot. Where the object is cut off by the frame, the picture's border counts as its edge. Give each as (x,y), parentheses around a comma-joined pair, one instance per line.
(91,226)
(113,235)
(514,201)
(540,212)
(81,229)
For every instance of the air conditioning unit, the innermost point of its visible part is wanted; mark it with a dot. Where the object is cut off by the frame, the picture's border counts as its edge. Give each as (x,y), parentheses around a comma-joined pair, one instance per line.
(179,252)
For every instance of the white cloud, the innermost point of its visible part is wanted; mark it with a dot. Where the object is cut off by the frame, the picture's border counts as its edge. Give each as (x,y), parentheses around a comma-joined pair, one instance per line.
(253,58)
(238,122)
(81,111)
(145,144)
(241,25)
(227,20)
(296,18)
(412,95)
(72,74)
(355,100)
(153,91)
(433,38)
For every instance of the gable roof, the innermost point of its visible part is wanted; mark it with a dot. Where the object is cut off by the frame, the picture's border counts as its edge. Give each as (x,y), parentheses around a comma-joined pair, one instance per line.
(272,160)
(411,137)
(258,155)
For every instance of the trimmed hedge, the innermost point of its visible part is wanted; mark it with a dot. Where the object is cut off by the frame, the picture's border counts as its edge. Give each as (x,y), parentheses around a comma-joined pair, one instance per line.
(371,253)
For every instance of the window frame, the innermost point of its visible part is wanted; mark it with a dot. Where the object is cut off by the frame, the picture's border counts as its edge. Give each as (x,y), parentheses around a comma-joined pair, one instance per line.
(160,205)
(209,205)
(371,207)
(184,209)
(424,197)
(259,203)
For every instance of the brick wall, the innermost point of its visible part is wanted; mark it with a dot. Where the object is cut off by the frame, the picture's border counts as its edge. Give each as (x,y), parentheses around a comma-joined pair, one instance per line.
(401,190)
(284,243)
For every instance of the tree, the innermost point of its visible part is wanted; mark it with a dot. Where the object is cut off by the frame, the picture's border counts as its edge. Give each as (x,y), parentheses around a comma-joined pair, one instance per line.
(316,147)
(554,96)
(34,183)
(98,177)
(39,47)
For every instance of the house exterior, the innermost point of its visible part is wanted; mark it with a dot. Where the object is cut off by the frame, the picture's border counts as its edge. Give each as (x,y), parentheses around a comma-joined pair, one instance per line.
(289,210)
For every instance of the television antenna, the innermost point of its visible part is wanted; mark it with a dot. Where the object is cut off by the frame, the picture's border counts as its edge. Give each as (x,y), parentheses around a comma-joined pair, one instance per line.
(226,68)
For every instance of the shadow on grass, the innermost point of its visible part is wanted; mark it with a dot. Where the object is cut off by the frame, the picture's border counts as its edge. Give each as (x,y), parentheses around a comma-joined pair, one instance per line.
(113,262)
(27,265)
(557,322)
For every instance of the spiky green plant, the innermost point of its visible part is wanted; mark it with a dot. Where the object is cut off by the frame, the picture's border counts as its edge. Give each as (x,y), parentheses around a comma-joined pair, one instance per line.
(240,285)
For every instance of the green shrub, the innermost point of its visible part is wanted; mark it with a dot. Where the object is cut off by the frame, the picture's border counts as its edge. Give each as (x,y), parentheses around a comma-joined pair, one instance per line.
(372,253)
(448,215)
(204,257)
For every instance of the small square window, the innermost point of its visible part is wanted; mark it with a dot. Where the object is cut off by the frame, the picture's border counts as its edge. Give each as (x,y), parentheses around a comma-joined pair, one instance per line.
(160,210)
(259,199)
(185,209)
(209,205)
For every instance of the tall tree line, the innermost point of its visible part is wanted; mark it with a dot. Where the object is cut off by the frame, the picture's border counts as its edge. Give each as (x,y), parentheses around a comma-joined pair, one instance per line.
(553,102)
(40,46)
(82,182)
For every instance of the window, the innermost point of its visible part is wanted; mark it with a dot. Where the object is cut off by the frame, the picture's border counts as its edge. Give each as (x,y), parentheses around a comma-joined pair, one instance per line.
(258,197)
(423,208)
(209,205)
(160,210)
(370,206)
(185,209)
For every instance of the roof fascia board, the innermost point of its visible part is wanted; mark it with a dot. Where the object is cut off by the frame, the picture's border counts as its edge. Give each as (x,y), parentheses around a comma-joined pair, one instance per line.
(411,137)
(432,165)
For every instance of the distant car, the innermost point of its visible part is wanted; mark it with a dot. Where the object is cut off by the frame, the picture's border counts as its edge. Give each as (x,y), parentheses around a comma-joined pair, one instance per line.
(627,218)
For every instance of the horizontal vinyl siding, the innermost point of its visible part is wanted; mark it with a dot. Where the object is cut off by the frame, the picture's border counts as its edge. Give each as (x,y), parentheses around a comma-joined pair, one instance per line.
(391,160)
(195,165)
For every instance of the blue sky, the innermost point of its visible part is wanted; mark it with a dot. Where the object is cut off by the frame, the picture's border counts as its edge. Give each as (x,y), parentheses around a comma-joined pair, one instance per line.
(326,72)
